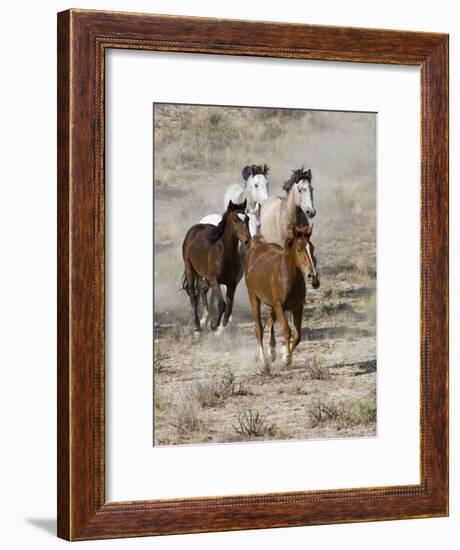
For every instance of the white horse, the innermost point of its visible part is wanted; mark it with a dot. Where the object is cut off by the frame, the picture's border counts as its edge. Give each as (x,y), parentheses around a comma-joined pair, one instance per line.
(279,215)
(253,190)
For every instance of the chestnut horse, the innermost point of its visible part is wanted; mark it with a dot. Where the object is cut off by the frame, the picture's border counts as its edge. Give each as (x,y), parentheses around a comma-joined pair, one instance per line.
(275,276)
(211,259)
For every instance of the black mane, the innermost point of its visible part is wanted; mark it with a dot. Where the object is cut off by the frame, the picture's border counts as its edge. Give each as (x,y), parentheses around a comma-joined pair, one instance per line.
(255,169)
(216,231)
(296,176)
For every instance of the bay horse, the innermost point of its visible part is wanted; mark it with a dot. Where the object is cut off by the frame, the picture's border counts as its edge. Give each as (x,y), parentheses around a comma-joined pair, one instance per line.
(280,214)
(254,227)
(253,216)
(211,258)
(275,277)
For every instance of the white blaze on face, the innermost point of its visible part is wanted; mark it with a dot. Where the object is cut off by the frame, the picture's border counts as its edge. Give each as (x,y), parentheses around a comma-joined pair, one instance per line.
(305,198)
(254,225)
(258,187)
(242,217)
(310,257)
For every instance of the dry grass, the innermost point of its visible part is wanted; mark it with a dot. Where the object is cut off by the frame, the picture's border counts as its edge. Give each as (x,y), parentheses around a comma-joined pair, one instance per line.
(206,393)
(344,414)
(161,356)
(316,370)
(322,411)
(186,414)
(252,424)
(210,393)
(358,412)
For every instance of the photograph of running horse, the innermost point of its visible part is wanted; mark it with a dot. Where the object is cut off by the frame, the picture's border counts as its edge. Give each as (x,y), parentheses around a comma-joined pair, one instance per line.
(275,277)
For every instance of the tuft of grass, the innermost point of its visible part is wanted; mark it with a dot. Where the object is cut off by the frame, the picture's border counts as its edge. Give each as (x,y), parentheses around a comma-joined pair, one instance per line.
(209,393)
(251,423)
(317,371)
(206,393)
(161,355)
(358,412)
(322,411)
(328,293)
(186,415)
(229,386)
(344,414)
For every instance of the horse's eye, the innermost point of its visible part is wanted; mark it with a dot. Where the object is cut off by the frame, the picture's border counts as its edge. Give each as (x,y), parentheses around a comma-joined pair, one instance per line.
(256,185)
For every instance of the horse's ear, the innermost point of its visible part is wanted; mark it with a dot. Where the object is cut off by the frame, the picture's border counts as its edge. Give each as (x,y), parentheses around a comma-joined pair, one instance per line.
(288,242)
(266,169)
(242,206)
(304,231)
(230,206)
(308,174)
(247,171)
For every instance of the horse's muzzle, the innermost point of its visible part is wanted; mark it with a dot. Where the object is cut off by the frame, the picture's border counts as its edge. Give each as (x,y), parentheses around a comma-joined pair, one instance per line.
(315,282)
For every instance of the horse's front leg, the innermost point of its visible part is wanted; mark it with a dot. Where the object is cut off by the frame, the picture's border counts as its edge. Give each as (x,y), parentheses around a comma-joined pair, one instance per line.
(204,287)
(286,331)
(229,303)
(220,304)
(255,307)
(297,317)
(191,277)
(271,327)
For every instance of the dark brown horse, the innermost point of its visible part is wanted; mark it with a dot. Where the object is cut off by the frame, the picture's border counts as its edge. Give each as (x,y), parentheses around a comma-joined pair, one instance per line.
(211,259)
(275,277)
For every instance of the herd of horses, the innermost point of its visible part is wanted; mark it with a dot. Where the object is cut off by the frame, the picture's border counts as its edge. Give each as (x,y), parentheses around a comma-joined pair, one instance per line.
(266,238)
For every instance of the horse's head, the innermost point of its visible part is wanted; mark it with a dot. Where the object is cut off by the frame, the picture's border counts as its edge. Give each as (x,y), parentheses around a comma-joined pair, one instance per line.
(304,252)
(300,183)
(254,220)
(239,222)
(255,177)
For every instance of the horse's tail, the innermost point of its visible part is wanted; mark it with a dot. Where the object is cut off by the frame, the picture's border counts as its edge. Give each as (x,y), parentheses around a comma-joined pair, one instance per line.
(185,285)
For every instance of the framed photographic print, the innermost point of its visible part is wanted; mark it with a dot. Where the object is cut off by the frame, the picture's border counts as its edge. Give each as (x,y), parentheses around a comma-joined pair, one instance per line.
(252,275)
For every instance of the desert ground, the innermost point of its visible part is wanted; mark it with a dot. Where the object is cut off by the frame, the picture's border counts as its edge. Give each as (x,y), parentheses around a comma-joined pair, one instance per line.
(212,389)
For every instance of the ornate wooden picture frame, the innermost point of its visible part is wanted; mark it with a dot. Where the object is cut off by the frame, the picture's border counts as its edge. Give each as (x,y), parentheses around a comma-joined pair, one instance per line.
(83,39)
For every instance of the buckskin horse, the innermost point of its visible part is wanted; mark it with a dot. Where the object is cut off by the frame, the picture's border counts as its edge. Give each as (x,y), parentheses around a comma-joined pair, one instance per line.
(279,215)
(211,259)
(275,277)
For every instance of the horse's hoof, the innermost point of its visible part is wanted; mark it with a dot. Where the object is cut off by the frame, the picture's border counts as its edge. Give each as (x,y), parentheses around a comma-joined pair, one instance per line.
(263,358)
(287,357)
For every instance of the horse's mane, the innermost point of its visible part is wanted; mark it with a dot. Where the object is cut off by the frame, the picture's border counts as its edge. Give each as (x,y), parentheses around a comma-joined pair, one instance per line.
(255,169)
(296,176)
(216,232)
